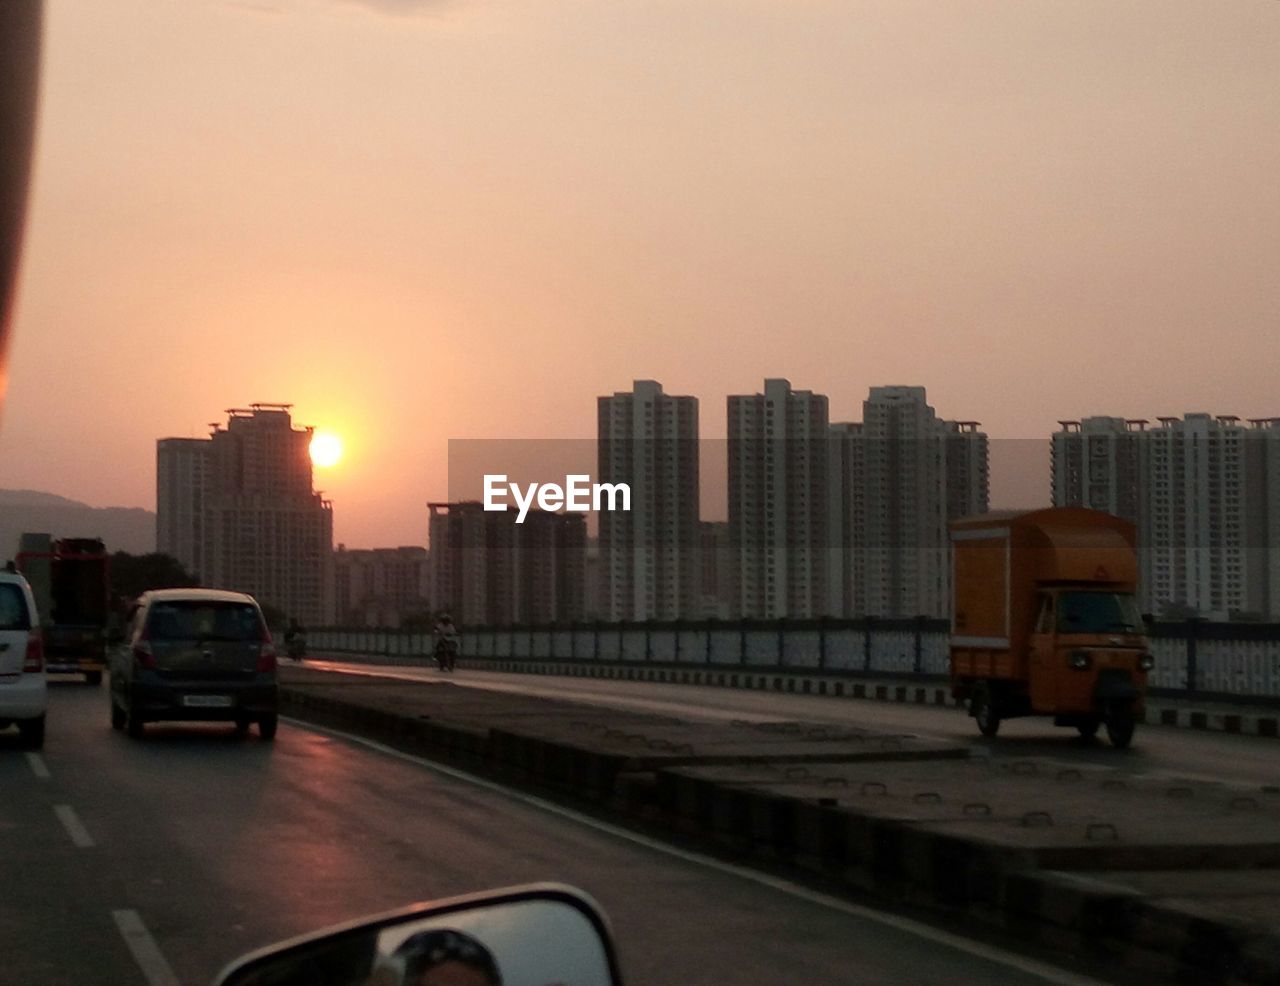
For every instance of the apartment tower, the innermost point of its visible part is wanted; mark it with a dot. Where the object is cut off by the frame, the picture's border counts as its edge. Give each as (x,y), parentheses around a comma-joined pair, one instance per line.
(182,466)
(778,462)
(260,527)
(897,479)
(649,554)
(1204,492)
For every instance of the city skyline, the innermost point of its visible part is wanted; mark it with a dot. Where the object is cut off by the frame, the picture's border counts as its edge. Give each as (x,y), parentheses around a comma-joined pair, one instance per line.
(1035,211)
(1020,473)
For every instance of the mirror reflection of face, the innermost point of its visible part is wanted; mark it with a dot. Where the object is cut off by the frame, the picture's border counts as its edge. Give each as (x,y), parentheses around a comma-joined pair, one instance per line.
(453,974)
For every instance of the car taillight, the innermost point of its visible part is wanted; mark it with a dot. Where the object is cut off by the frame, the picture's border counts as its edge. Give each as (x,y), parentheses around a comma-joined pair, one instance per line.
(142,655)
(267,657)
(33,663)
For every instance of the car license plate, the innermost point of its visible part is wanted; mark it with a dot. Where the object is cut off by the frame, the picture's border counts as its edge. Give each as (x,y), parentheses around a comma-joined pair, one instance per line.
(207,701)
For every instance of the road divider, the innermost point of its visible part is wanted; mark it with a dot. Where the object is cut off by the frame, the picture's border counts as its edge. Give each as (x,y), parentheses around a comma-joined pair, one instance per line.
(1161,710)
(1173,880)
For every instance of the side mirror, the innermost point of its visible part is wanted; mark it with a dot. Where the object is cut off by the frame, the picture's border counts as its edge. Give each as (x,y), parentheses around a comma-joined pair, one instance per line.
(525,936)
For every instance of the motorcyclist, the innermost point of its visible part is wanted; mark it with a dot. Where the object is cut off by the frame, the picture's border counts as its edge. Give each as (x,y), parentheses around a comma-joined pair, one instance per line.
(447,642)
(295,639)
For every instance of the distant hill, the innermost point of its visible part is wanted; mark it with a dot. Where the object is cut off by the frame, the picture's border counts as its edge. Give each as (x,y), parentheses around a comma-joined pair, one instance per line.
(130,529)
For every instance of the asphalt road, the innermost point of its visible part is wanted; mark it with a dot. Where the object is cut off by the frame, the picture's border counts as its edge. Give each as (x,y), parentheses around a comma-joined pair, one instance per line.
(216,846)
(1166,751)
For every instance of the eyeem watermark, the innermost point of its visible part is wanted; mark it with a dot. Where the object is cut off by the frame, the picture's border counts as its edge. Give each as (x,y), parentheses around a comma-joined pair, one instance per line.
(578,495)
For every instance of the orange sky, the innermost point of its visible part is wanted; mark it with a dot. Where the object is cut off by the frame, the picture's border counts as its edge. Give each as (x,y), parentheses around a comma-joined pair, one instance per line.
(455,219)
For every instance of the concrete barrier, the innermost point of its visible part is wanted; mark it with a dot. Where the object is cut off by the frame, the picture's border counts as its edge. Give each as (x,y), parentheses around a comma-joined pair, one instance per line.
(1177,880)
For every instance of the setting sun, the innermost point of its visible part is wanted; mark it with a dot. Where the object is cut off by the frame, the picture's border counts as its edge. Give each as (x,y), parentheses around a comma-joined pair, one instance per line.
(326,449)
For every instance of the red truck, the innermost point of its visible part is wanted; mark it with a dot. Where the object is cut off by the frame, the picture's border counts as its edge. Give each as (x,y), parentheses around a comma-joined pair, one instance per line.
(70,579)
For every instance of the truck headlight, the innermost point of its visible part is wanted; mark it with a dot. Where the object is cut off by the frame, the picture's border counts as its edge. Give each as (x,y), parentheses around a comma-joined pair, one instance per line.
(1080,659)
(1146,662)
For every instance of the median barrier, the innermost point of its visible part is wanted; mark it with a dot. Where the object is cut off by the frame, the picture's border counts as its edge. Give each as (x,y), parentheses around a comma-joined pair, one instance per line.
(1175,879)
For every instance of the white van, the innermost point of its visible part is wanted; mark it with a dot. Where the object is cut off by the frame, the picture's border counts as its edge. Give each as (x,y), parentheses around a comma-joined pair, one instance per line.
(24,691)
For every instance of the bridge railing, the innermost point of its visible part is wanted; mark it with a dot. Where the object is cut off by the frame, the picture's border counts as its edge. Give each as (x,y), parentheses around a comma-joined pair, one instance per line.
(1191,657)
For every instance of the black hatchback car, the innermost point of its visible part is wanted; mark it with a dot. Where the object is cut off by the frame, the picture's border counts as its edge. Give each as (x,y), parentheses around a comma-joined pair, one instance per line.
(195,655)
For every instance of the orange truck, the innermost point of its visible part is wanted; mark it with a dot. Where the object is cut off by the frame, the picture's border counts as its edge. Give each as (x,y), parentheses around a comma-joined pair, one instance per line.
(1045,620)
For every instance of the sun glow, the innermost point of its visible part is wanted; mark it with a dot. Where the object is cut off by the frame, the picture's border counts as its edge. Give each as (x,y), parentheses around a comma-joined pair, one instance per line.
(326,449)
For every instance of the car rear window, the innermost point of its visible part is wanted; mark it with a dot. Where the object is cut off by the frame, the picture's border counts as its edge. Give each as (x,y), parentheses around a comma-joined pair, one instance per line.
(13,608)
(204,621)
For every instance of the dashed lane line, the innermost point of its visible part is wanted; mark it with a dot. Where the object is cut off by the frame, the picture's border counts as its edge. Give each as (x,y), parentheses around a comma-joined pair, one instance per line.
(38,766)
(80,836)
(155,968)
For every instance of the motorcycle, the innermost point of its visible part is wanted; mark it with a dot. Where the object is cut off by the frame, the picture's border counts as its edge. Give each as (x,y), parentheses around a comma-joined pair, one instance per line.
(295,645)
(447,653)
(535,935)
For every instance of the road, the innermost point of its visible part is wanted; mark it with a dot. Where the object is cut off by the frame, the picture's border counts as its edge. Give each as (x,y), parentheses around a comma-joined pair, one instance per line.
(1166,751)
(215,846)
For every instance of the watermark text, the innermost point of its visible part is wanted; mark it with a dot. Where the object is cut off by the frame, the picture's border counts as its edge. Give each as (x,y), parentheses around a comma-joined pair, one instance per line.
(577,495)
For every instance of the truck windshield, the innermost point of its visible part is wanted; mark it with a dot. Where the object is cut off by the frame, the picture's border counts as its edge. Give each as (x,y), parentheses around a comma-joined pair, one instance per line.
(1098,612)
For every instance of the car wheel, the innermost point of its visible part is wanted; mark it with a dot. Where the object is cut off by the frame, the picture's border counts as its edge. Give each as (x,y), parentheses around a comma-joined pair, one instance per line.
(31,733)
(93,678)
(1088,728)
(242,727)
(267,726)
(133,725)
(118,716)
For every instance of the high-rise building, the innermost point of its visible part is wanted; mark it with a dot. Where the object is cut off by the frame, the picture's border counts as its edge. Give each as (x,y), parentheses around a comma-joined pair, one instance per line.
(380,587)
(896,480)
(1203,493)
(778,462)
(1098,463)
(182,466)
(261,528)
(489,570)
(649,554)
(716,563)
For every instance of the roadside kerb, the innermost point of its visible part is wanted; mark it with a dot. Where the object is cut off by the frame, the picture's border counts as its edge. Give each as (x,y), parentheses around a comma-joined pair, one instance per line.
(1180,713)
(830,817)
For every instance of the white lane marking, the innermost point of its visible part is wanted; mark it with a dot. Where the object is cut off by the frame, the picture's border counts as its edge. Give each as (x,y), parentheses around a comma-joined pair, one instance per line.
(155,968)
(80,836)
(38,766)
(990,953)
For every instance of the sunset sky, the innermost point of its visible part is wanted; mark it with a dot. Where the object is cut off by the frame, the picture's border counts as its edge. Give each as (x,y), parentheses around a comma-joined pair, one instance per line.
(419,220)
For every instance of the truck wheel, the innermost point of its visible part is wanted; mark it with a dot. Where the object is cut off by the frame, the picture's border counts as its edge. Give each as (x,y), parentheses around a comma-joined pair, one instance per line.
(1088,728)
(1120,726)
(267,726)
(983,711)
(31,733)
(93,678)
(118,716)
(133,725)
